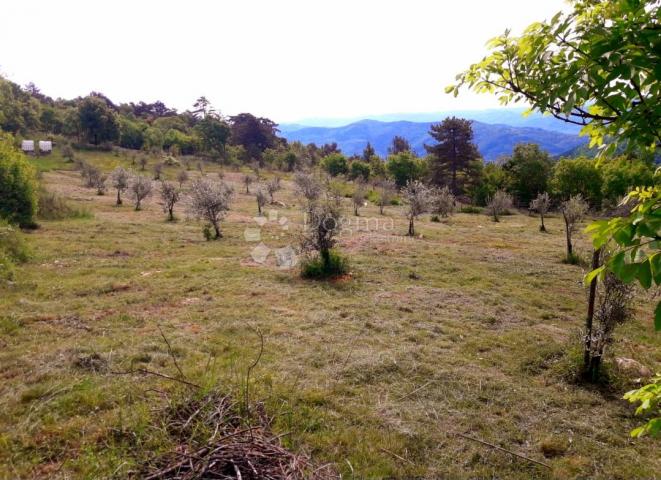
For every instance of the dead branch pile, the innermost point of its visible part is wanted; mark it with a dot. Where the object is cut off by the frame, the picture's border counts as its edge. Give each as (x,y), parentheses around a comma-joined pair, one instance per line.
(215,442)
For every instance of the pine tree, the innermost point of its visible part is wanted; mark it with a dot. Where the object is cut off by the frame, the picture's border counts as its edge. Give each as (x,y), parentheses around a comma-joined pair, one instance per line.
(455,153)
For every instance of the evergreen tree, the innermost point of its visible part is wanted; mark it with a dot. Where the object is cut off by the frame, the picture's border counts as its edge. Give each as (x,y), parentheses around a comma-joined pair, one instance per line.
(454,154)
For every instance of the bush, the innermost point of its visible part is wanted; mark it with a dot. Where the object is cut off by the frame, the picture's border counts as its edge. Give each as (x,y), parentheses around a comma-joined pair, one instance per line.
(472,209)
(317,268)
(54,207)
(12,250)
(18,185)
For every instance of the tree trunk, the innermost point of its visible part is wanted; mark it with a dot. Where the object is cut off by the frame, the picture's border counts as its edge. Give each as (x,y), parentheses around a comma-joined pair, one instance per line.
(411,230)
(570,249)
(588,361)
(542,228)
(137,205)
(119,198)
(325,257)
(216,227)
(381,209)
(170,210)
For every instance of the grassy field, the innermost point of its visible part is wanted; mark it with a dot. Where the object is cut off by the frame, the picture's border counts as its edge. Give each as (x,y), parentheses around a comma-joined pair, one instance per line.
(471,329)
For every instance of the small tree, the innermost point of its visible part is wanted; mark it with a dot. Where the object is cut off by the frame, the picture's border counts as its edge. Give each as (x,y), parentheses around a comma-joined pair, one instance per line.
(143,162)
(170,196)
(498,204)
(90,174)
(119,179)
(307,187)
(140,188)
(273,186)
(67,153)
(247,181)
(614,308)
(418,197)
(262,199)
(100,183)
(386,193)
(158,171)
(541,205)
(211,201)
(323,224)
(573,211)
(182,177)
(358,198)
(443,202)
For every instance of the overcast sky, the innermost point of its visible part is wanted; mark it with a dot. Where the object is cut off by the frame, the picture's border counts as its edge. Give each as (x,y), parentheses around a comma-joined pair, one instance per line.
(284,59)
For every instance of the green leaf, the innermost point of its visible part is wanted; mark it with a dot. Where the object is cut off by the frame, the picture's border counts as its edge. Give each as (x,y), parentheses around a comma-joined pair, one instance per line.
(645,274)
(628,272)
(593,274)
(657,317)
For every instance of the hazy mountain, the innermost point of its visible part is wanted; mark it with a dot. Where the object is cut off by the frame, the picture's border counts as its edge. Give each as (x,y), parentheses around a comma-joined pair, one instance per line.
(505,116)
(493,140)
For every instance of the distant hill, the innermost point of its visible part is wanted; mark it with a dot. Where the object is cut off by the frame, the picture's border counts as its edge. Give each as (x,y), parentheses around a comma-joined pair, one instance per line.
(493,140)
(505,116)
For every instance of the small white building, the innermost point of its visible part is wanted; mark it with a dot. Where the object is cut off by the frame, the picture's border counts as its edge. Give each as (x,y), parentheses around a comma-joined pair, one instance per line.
(45,146)
(27,146)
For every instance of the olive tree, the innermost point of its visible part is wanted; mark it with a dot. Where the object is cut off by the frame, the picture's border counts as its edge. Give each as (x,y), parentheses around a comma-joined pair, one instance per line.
(323,224)
(247,181)
(100,183)
(386,190)
(211,201)
(182,177)
(158,171)
(418,198)
(273,186)
(358,198)
(443,202)
(119,179)
(573,211)
(170,196)
(143,162)
(498,204)
(541,205)
(308,187)
(139,189)
(262,199)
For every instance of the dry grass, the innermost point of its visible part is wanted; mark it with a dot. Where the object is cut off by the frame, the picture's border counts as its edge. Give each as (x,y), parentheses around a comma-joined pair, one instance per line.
(468,329)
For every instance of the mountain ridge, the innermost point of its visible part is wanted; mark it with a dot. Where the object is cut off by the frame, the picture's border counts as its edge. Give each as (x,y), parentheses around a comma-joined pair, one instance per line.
(493,140)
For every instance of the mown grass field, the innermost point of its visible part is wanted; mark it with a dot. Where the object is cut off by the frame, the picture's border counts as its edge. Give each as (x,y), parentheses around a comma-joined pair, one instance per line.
(472,328)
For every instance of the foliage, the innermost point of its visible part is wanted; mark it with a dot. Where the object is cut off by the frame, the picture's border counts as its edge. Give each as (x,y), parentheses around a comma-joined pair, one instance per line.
(308,187)
(403,167)
(273,186)
(649,397)
(335,164)
(247,181)
(577,176)
(528,171)
(131,133)
(322,225)
(489,179)
(454,155)
(262,199)
(12,250)
(317,268)
(498,204)
(386,190)
(620,175)
(358,198)
(443,202)
(595,66)
(541,205)
(635,242)
(399,145)
(98,121)
(214,134)
(418,198)
(359,170)
(182,177)
(211,201)
(255,134)
(140,188)
(170,196)
(18,185)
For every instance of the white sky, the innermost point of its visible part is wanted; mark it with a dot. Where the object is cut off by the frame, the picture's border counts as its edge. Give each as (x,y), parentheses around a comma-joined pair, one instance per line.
(285,59)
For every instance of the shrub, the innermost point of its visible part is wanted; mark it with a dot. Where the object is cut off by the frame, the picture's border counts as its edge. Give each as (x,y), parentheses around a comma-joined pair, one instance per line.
(317,268)
(573,211)
(359,171)
(498,204)
(140,189)
(358,198)
(54,207)
(18,185)
(471,209)
(12,250)
(443,202)
(211,201)
(335,164)
(541,204)
(418,197)
(170,196)
(386,190)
